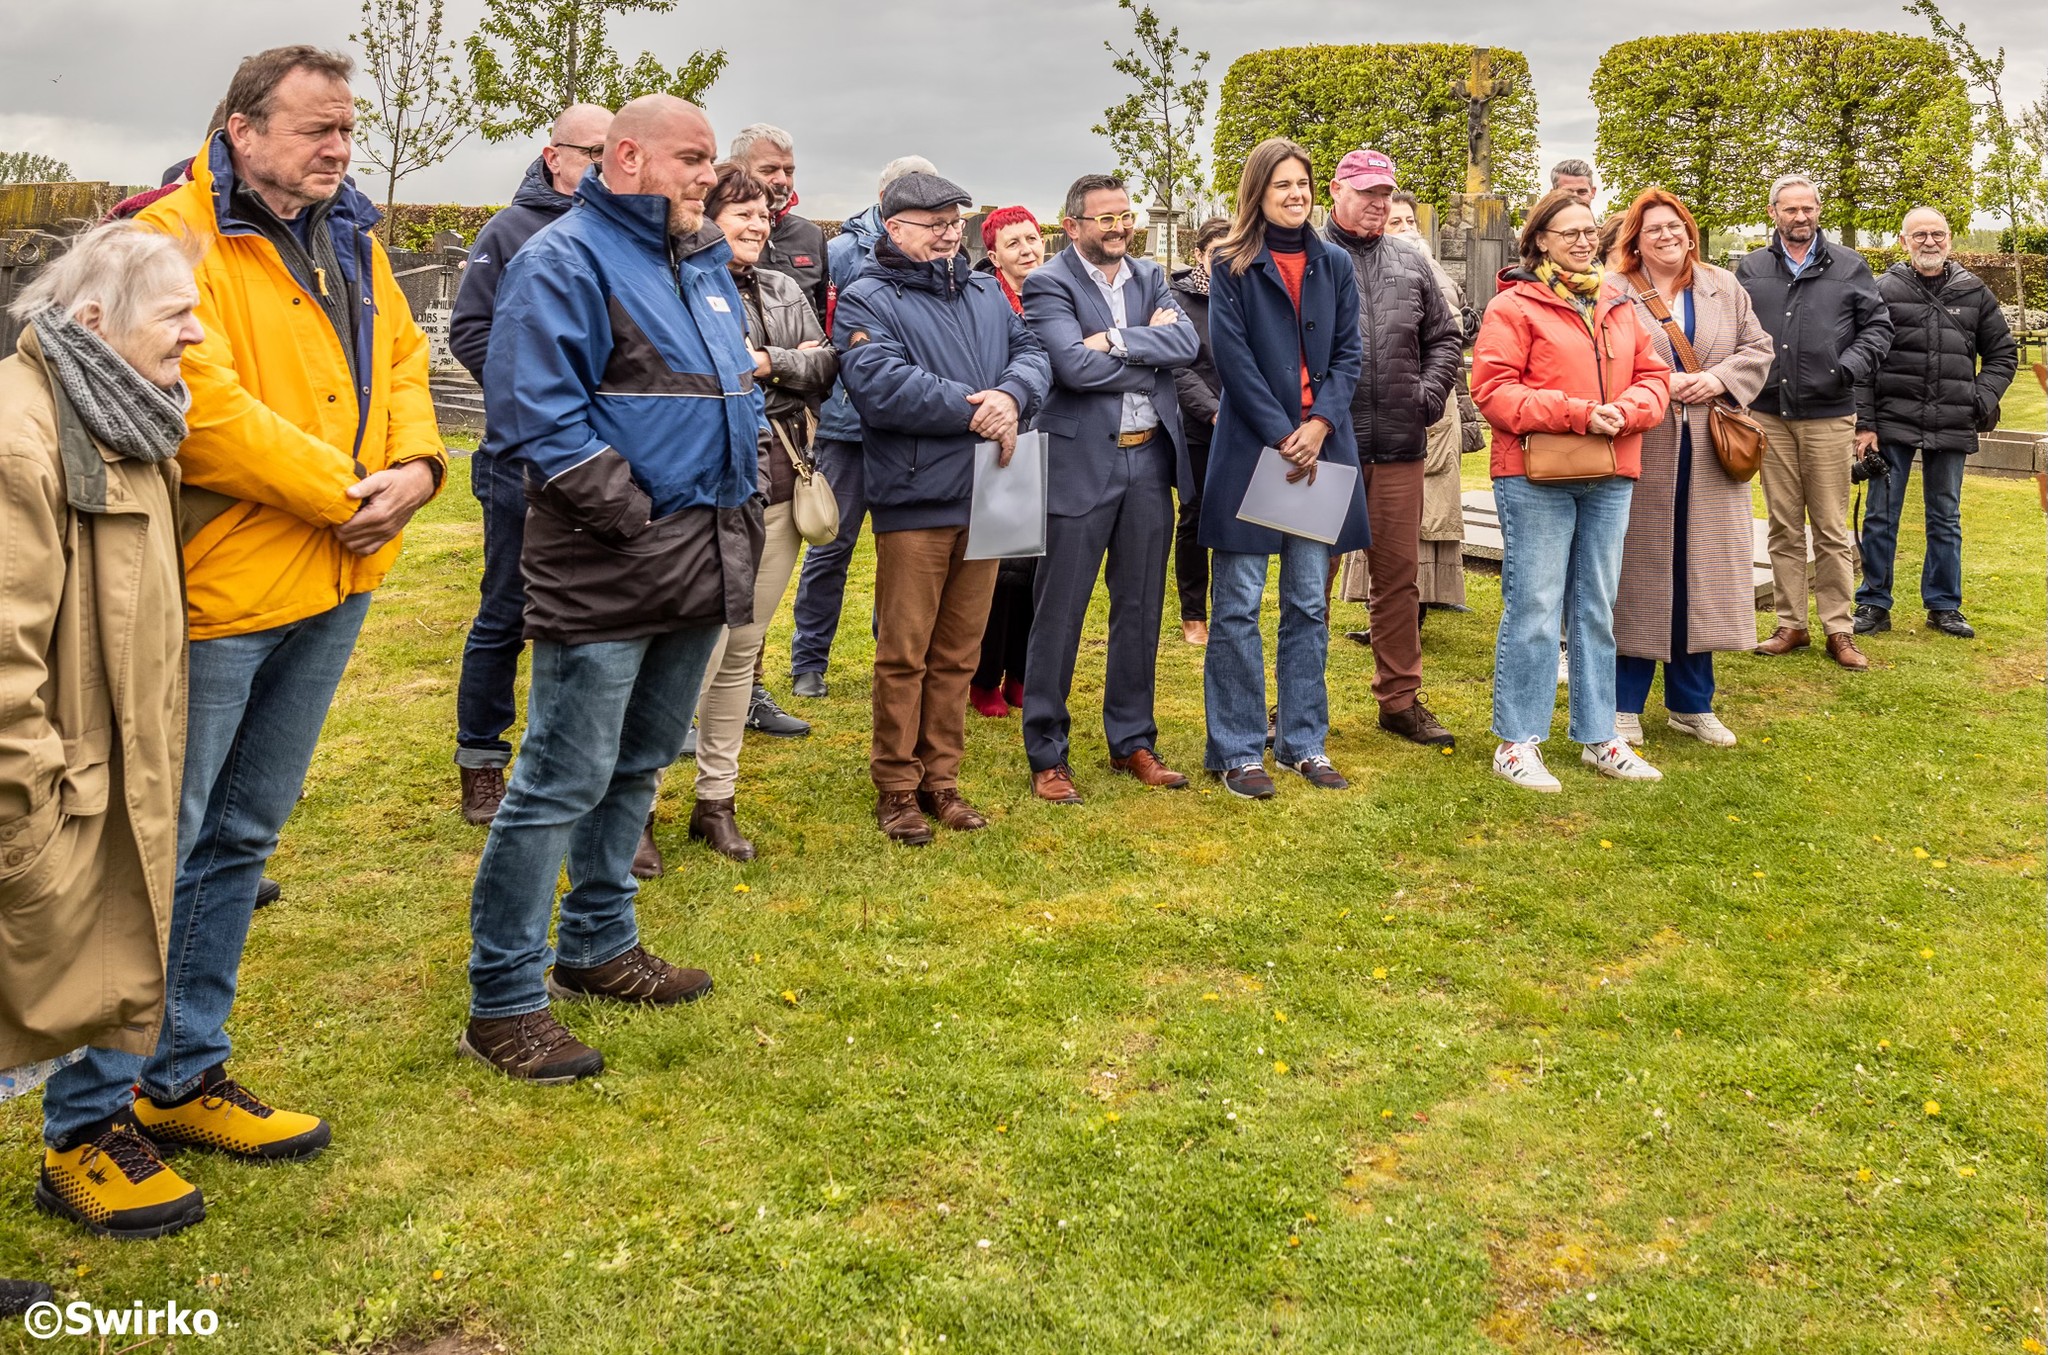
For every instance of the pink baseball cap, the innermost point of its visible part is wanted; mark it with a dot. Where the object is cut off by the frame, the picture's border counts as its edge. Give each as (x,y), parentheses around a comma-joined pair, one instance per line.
(1363,169)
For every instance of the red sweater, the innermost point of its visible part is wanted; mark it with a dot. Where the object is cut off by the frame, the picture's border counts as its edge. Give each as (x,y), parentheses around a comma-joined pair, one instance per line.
(1291,268)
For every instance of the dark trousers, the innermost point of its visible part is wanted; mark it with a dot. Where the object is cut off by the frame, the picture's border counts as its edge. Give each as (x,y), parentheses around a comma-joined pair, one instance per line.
(1190,561)
(821,587)
(1393,500)
(1688,677)
(484,706)
(1133,528)
(1005,643)
(1941,488)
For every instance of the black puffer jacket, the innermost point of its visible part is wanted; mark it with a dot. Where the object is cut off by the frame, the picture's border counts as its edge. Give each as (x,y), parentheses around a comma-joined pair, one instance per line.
(1197,383)
(1929,391)
(1414,347)
(1828,325)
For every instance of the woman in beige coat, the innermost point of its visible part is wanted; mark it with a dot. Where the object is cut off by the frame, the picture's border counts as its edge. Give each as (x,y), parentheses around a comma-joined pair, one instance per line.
(1685,570)
(92,678)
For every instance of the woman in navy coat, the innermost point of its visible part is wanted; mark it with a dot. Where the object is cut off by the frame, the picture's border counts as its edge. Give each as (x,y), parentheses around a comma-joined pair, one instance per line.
(1283,321)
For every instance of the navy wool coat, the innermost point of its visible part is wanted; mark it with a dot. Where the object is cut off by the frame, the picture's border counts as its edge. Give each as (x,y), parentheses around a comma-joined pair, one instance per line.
(1260,345)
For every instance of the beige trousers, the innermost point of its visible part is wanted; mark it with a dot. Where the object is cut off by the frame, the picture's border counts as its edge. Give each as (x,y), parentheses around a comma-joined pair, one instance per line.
(722,709)
(1805,476)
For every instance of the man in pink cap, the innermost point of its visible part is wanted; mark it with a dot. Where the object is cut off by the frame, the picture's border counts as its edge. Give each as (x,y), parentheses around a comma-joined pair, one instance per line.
(1413,346)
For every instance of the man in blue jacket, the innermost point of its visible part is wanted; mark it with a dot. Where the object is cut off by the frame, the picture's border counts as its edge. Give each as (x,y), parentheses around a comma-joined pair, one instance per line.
(1114,441)
(821,587)
(619,379)
(936,362)
(484,707)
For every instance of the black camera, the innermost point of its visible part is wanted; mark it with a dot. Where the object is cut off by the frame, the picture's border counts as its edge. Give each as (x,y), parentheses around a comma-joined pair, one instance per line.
(1870,465)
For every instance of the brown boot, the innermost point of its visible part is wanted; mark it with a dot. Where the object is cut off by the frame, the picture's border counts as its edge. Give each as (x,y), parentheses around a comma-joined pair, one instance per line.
(1842,649)
(639,975)
(950,810)
(1055,785)
(1146,765)
(533,1048)
(1784,640)
(483,790)
(897,813)
(712,821)
(647,864)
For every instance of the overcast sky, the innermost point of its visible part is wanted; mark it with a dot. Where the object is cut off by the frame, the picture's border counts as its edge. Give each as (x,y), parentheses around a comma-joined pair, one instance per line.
(999,95)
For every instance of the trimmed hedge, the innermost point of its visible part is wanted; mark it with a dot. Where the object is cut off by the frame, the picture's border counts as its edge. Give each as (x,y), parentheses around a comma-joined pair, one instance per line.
(1995,269)
(414,225)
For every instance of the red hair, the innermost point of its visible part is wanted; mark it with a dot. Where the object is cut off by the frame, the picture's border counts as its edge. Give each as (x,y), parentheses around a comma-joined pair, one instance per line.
(1627,254)
(1000,220)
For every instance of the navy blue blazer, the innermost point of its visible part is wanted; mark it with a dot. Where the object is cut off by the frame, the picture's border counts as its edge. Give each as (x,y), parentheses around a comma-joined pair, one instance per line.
(1259,345)
(1063,306)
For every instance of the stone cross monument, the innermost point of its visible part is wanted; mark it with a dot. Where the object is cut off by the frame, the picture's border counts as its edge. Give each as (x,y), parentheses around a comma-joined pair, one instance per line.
(1474,242)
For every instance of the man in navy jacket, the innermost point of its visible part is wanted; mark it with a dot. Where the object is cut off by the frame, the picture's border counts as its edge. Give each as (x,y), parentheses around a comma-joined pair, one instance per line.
(1114,440)
(935,361)
(620,380)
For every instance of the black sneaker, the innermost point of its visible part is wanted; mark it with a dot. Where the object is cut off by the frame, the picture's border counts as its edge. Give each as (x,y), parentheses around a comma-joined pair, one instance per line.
(1250,782)
(268,891)
(18,1296)
(1872,619)
(1951,623)
(533,1048)
(1272,724)
(810,686)
(1318,772)
(765,717)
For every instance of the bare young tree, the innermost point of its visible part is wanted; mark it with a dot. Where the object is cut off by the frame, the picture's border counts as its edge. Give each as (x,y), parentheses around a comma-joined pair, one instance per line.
(423,109)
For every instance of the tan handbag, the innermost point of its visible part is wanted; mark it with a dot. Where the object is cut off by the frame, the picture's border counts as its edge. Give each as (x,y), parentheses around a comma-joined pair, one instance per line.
(1738,440)
(1566,458)
(812,506)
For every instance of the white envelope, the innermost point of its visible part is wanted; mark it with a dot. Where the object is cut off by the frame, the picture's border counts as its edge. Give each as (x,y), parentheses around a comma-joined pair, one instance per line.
(1315,511)
(1006,519)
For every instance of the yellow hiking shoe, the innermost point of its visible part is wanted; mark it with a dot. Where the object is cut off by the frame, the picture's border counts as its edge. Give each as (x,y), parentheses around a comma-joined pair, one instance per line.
(222,1115)
(116,1185)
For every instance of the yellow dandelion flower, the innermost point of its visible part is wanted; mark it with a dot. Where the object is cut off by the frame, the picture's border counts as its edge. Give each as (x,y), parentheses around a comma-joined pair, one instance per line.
(1939,865)
(1212,997)
(1387,917)
(1735,818)
(1450,752)
(1932,1107)
(1293,1241)
(1280,1017)
(1386,1115)
(789,997)
(1863,1173)
(1380,972)
(1756,875)
(1280,1067)
(1883,1045)
(742,889)
(1002,1129)
(1605,844)
(1343,914)
(2033,1347)
(1112,1117)
(1920,853)
(437,1275)
(1927,953)
(1966,1171)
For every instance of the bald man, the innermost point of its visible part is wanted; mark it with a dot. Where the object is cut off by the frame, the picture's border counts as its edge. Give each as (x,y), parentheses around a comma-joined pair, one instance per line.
(484,707)
(619,382)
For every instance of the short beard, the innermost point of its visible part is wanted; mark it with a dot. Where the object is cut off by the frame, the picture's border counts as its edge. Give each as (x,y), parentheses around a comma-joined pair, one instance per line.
(680,222)
(1094,253)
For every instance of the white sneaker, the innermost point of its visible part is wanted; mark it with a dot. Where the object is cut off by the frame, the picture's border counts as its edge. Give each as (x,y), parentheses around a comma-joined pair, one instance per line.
(1616,759)
(1629,726)
(1522,764)
(1564,667)
(1706,728)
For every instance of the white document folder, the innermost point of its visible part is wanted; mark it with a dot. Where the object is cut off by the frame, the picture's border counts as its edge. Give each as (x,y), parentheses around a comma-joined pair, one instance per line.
(1006,519)
(1315,511)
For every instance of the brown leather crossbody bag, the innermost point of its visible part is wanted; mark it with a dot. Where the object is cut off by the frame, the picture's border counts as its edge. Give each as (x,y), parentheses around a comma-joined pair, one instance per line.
(1738,439)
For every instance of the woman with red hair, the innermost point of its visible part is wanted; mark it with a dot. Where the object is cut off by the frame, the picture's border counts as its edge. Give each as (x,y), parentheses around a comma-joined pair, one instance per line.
(1015,246)
(1685,587)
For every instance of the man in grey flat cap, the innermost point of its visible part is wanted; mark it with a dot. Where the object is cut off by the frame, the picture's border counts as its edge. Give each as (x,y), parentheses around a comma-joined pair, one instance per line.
(935,361)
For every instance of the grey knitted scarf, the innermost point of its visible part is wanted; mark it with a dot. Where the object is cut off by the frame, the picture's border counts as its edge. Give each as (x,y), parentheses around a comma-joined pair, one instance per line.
(121,407)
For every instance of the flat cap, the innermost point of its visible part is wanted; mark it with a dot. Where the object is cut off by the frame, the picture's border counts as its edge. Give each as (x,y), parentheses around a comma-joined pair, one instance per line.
(922,193)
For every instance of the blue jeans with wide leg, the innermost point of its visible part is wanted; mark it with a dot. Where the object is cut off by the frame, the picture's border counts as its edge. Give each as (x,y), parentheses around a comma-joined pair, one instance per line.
(1552,531)
(1234,664)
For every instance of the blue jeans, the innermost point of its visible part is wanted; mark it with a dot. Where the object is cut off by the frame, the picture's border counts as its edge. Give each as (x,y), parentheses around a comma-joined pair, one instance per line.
(1550,531)
(1941,486)
(603,721)
(484,705)
(1688,677)
(821,588)
(256,705)
(1234,664)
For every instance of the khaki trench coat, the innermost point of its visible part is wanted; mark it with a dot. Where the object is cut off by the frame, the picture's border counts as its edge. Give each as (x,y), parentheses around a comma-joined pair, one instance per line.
(1721,599)
(92,727)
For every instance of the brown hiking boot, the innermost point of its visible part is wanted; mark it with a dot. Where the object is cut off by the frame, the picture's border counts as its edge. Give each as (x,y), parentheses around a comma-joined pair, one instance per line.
(897,813)
(1149,769)
(1842,649)
(950,810)
(483,790)
(1055,785)
(534,1047)
(647,863)
(1417,725)
(1783,640)
(639,976)
(712,822)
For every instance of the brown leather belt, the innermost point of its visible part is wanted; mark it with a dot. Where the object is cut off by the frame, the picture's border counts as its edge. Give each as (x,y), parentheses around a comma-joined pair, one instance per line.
(1135,439)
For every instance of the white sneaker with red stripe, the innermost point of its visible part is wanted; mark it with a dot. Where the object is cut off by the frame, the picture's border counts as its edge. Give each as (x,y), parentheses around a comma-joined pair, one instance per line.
(1522,764)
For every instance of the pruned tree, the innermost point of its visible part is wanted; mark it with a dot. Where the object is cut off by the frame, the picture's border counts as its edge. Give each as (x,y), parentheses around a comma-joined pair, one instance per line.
(31,167)
(530,59)
(423,109)
(1153,128)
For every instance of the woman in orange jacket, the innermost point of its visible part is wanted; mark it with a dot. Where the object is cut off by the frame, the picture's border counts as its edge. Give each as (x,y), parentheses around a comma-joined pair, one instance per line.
(1561,352)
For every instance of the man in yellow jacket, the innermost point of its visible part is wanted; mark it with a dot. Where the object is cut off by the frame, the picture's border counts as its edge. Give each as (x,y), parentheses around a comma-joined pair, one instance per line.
(311,443)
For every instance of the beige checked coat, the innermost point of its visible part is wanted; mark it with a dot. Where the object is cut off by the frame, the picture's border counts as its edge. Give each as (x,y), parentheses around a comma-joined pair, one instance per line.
(1721,610)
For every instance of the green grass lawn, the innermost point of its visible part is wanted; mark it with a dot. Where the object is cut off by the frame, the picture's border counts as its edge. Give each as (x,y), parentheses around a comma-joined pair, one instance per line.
(1751,1060)
(2023,410)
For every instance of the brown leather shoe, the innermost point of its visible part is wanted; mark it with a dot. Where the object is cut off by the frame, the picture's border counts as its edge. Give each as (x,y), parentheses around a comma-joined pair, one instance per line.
(1195,632)
(1784,640)
(483,790)
(1842,649)
(712,822)
(533,1048)
(647,864)
(1055,785)
(1417,725)
(1144,764)
(639,975)
(897,813)
(950,810)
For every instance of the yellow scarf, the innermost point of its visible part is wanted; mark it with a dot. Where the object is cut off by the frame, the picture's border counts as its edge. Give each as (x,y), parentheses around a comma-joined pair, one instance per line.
(1581,289)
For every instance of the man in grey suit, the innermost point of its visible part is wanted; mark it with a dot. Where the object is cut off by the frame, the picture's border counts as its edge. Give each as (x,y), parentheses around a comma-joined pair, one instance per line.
(1113,436)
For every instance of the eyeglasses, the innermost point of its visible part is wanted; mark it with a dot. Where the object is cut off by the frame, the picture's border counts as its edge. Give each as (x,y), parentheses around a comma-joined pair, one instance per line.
(939,228)
(591,152)
(1929,237)
(1109,221)
(1587,233)
(1671,230)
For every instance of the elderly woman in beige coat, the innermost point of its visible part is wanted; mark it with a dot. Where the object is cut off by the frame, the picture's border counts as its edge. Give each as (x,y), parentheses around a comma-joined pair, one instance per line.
(92,675)
(1685,586)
